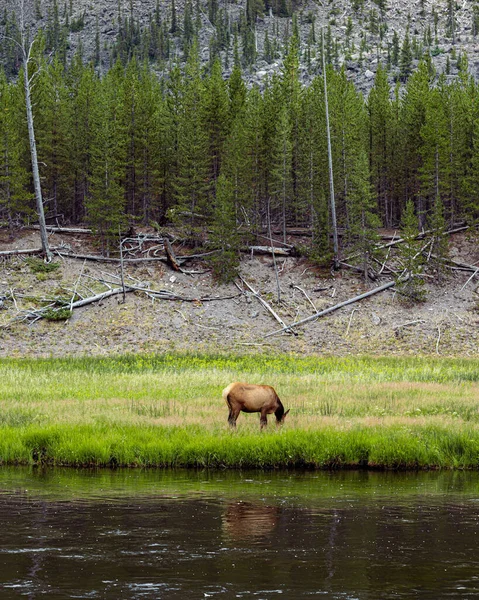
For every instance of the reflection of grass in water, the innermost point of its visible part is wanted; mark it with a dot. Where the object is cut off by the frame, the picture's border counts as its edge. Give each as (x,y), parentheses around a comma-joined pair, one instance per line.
(267,487)
(168,411)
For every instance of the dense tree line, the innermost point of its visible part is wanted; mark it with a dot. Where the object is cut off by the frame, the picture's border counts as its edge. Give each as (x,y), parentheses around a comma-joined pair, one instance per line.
(212,156)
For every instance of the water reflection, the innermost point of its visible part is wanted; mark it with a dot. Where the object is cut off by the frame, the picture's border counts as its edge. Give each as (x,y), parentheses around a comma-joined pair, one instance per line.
(196,535)
(247,521)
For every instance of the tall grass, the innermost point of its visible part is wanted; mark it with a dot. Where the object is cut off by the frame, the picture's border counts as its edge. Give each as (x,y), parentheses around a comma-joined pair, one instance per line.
(167,411)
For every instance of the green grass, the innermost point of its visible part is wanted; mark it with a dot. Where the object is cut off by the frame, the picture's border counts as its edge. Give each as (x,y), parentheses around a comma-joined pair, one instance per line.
(167,411)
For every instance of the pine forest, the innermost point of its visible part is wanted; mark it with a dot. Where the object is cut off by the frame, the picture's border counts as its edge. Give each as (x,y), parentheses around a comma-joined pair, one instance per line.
(226,161)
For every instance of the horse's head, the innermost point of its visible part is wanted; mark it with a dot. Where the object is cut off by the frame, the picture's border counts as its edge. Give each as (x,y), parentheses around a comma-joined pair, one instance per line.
(283,417)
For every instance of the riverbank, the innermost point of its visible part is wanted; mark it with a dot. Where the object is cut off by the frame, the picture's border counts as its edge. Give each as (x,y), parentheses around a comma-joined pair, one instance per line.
(167,411)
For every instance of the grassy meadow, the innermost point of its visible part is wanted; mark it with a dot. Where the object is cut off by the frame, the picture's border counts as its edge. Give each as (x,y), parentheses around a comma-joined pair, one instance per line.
(167,411)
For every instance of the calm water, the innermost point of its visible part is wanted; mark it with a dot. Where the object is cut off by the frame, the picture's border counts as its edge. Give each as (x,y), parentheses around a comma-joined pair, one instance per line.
(155,534)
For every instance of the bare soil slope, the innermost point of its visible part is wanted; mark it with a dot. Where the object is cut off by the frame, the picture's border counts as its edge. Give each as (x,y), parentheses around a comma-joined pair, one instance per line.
(446,324)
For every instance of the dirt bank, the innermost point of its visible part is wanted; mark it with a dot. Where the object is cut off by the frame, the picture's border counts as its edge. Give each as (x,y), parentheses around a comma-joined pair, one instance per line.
(446,324)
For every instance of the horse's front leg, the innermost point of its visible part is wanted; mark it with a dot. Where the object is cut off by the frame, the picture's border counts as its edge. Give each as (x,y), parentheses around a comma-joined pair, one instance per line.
(263,420)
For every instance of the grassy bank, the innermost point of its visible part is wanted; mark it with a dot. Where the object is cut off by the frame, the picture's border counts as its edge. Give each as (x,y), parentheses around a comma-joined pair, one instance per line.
(167,411)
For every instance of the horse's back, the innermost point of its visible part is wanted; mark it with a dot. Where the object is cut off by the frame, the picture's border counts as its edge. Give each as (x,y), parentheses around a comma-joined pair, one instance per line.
(250,397)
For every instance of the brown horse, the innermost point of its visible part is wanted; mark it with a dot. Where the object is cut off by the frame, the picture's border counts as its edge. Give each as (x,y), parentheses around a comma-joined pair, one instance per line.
(251,398)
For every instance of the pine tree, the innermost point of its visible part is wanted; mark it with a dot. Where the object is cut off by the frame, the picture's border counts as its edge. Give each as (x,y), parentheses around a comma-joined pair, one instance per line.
(395,49)
(291,92)
(216,117)
(439,247)
(128,116)
(381,137)
(15,199)
(105,203)
(408,282)
(244,161)
(405,60)
(84,89)
(224,236)
(413,116)
(451,20)
(52,121)
(435,148)
(174,26)
(281,188)
(236,90)
(313,171)
(192,184)
(151,141)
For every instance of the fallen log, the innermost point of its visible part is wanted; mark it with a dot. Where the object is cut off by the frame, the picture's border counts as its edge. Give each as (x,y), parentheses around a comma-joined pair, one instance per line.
(270,250)
(28,251)
(56,229)
(326,311)
(99,258)
(170,256)
(266,305)
(371,274)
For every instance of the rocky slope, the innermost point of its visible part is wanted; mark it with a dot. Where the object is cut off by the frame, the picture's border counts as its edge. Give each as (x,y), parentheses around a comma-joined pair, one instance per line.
(370,37)
(234,321)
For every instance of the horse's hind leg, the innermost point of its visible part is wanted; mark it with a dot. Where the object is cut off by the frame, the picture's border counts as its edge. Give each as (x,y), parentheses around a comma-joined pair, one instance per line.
(232,418)
(233,415)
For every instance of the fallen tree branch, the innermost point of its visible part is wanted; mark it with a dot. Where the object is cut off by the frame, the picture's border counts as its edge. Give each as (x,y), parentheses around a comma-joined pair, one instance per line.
(28,251)
(471,277)
(98,258)
(306,295)
(56,229)
(326,311)
(40,313)
(170,256)
(371,274)
(270,250)
(266,305)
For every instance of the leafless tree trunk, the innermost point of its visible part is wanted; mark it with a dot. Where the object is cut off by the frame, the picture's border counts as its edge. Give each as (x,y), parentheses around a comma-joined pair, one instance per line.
(330,164)
(27,55)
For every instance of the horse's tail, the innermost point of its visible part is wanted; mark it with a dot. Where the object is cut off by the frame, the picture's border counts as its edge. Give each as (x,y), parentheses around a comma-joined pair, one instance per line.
(226,392)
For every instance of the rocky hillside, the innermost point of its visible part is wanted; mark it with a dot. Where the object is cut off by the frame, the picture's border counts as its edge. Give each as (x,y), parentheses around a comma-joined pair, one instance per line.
(358,33)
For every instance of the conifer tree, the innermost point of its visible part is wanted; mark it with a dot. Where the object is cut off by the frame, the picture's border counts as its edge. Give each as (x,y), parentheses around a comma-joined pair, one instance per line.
(244,161)
(413,115)
(395,49)
(224,236)
(84,89)
(105,203)
(191,185)
(15,199)
(408,282)
(52,123)
(281,188)
(406,56)
(174,25)
(236,88)
(216,117)
(439,248)
(435,149)
(313,171)
(381,137)
(291,98)
(151,141)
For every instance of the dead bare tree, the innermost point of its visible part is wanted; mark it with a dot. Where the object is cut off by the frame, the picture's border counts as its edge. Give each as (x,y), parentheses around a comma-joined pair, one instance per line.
(330,163)
(27,82)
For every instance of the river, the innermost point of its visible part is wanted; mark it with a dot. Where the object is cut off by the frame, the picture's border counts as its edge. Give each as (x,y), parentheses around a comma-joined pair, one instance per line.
(214,534)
